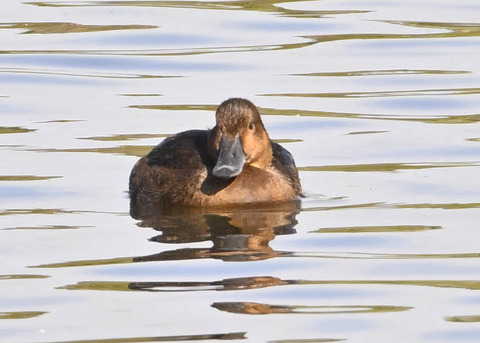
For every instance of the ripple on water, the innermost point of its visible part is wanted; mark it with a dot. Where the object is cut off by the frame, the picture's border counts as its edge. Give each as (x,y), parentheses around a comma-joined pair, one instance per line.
(385,140)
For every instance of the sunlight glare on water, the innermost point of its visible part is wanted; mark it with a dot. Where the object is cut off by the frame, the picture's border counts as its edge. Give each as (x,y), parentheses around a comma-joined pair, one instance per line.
(379,103)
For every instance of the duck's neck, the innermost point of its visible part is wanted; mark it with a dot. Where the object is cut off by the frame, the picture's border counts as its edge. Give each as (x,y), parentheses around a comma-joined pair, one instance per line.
(264,157)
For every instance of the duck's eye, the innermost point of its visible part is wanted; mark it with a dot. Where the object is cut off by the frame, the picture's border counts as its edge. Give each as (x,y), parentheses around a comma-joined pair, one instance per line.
(251,126)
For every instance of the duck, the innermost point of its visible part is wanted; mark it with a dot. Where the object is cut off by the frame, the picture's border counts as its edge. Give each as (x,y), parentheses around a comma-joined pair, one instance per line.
(233,164)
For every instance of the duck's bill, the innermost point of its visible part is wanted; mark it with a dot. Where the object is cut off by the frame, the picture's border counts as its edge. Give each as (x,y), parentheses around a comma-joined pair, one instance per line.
(230,159)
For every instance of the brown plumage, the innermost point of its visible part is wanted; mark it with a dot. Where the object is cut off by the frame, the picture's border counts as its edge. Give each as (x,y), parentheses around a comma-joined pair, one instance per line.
(235,163)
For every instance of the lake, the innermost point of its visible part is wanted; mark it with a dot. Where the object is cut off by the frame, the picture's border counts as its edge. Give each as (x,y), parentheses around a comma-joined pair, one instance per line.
(379,103)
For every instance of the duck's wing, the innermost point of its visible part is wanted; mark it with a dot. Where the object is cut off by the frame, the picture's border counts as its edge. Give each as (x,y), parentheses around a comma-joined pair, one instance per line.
(170,171)
(283,161)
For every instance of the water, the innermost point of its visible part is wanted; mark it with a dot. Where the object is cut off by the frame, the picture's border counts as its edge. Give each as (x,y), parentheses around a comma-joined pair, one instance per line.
(377,100)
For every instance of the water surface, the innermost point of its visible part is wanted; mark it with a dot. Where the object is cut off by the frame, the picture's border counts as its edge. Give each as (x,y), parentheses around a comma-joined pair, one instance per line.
(377,101)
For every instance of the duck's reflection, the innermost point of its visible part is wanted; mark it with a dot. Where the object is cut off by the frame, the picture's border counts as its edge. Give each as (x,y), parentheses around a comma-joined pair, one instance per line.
(237,234)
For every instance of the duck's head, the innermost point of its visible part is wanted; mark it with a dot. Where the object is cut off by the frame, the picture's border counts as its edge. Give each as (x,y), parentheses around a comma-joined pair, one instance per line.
(238,139)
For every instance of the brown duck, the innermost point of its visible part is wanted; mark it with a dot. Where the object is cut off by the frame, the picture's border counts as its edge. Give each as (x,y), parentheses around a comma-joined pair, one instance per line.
(235,163)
